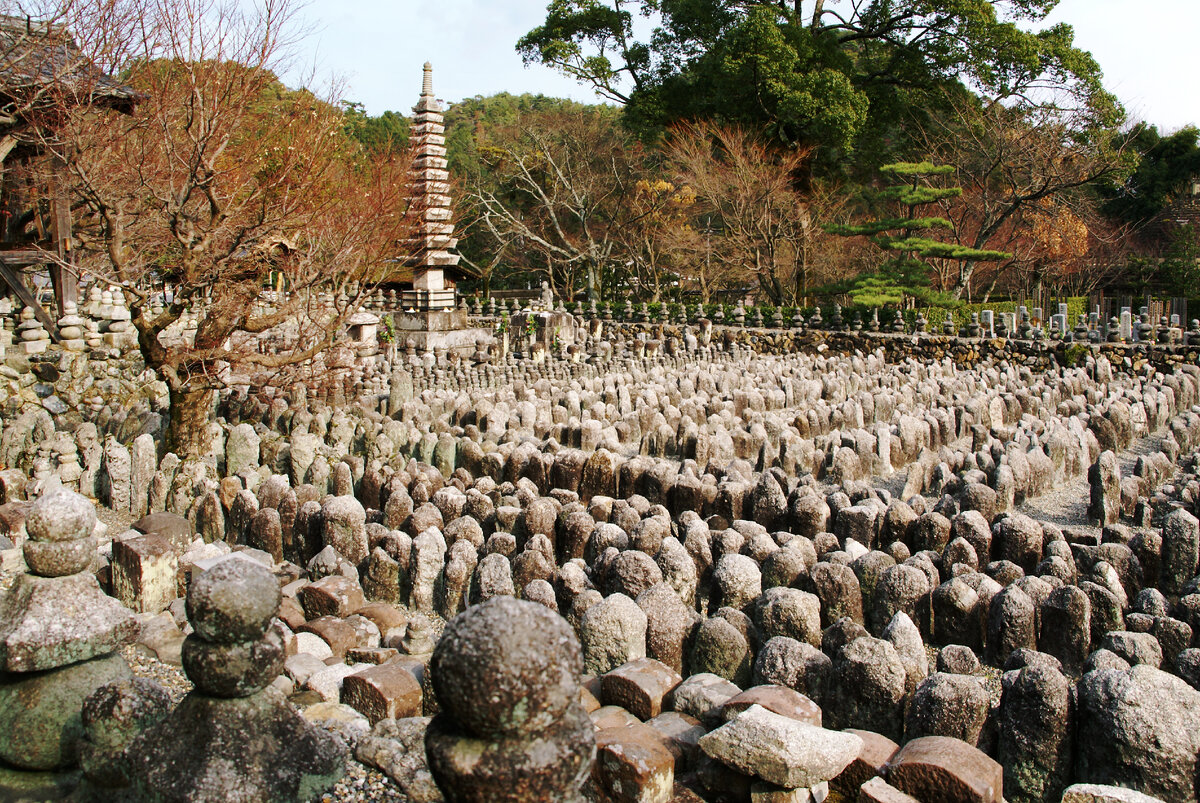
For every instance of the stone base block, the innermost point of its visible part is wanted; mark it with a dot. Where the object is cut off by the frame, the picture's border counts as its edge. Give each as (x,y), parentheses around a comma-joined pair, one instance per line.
(144,572)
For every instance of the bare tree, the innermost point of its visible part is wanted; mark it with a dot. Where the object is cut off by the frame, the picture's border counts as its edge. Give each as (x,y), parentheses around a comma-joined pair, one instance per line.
(559,192)
(766,231)
(220,181)
(651,245)
(1010,162)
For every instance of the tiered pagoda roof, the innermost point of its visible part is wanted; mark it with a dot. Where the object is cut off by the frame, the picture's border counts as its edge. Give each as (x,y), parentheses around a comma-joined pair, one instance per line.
(433,249)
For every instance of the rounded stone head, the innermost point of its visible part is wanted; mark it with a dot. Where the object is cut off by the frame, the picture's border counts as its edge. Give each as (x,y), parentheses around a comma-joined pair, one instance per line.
(234,652)
(60,515)
(507,666)
(60,525)
(233,602)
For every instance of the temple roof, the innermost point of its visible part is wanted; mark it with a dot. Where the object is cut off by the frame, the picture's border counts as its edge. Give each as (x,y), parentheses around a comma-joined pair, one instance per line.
(35,56)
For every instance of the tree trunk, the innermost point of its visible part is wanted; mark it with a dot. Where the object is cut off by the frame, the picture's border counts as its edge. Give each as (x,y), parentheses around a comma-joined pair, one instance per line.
(964,277)
(592,279)
(191,413)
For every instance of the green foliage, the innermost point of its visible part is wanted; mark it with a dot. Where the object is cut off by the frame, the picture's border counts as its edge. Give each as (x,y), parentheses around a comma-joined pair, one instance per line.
(873,227)
(936,249)
(856,77)
(1166,164)
(907,276)
(785,79)
(916,169)
(1180,266)
(1076,305)
(917,195)
(467,122)
(473,120)
(387,133)
(1074,355)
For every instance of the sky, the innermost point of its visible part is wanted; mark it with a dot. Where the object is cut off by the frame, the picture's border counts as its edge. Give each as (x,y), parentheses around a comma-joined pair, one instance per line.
(378,47)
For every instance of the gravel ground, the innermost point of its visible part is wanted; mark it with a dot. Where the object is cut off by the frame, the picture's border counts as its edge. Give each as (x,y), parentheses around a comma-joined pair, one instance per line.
(1067,505)
(361,784)
(117,522)
(145,665)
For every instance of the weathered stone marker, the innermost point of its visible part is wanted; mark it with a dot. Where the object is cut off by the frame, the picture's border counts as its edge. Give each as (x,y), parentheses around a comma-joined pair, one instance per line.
(524,734)
(234,737)
(58,633)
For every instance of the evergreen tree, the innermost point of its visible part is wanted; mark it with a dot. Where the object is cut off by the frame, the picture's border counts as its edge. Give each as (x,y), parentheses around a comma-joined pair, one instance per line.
(907,235)
(386,134)
(1166,165)
(848,78)
(1180,266)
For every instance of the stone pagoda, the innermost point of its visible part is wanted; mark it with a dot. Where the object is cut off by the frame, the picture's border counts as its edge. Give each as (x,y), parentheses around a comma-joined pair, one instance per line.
(434,263)
(429,315)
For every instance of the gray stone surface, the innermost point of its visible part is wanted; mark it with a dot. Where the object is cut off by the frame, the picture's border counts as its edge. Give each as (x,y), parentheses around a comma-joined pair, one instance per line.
(47,622)
(248,748)
(1121,713)
(779,749)
(40,725)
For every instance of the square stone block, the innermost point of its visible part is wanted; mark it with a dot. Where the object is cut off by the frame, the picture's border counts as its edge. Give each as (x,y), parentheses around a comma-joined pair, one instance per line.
(143,572)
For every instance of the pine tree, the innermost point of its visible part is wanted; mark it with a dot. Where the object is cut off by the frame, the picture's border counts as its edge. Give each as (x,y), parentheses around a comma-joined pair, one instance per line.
(907,275)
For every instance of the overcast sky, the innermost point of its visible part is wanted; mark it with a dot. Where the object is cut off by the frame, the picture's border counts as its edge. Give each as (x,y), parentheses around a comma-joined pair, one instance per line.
(1148,54)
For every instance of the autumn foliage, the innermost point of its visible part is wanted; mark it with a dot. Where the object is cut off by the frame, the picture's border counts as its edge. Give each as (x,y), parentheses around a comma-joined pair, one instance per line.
(220,185)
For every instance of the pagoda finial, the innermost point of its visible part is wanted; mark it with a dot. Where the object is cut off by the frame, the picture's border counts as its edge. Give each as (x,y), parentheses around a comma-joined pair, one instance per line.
(427,84)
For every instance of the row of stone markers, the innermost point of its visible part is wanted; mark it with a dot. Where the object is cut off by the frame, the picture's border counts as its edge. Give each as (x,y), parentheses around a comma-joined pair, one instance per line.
(669,431)
(1025,323)
(111,390)
(97,371)
(789,527)
(730,663)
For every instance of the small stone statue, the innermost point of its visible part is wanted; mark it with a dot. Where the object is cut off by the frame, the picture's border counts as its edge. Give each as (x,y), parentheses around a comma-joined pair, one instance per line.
(52,661)
(524,731)
(1145,329)
(835,320)
(234,736)
(1081,329)
(1164,331)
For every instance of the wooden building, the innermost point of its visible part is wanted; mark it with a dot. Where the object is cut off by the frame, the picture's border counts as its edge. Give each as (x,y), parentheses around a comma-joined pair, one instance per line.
(43,78)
